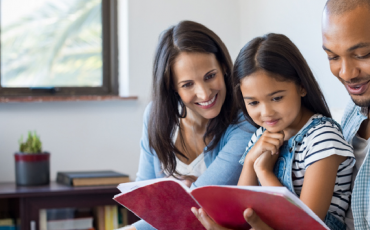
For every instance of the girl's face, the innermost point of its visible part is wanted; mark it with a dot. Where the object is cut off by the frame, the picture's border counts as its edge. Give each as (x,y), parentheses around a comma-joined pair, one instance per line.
(199,80)
(274,105)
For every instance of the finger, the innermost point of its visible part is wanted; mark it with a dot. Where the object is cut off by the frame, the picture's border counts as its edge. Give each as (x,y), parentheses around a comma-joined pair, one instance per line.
(272,141)
(279,136)
(269,147)
(254,221)
(202,217)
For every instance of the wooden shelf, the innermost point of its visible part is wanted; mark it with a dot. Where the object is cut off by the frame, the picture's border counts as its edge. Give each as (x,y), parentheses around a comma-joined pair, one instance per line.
(31,199)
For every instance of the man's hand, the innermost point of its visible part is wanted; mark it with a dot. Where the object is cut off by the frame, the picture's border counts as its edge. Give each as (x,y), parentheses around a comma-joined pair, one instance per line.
(253,220)
(207,222)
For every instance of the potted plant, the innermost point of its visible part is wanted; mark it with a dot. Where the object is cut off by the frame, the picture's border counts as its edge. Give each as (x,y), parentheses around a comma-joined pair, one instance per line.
(32,165)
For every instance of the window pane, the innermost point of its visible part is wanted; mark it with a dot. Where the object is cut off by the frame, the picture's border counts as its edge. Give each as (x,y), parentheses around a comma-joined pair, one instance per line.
(51,43)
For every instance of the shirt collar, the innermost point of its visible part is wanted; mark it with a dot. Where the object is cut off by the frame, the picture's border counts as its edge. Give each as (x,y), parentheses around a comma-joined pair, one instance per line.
(364,111)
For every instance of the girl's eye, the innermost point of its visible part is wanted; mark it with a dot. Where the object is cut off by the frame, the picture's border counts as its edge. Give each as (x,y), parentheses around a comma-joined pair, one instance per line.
(363,57)
(187,85)
(253,103)
(210,76)
(277,98)
(333,58)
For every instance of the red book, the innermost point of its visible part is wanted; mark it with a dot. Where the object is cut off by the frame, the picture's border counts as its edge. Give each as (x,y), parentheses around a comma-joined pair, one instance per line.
(166,203)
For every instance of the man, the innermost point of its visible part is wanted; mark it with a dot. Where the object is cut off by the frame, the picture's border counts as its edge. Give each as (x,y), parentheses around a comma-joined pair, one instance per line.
(346,40)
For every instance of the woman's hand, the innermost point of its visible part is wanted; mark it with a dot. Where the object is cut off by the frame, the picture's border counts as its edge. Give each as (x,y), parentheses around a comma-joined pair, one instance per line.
(204,219)
(186,180)
(253,220)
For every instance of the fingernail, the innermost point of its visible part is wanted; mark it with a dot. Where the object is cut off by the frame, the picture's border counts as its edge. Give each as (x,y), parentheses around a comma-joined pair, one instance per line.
(194,210)
(250,213)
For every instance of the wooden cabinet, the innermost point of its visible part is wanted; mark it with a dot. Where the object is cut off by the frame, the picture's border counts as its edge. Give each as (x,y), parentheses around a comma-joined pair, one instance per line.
(26,202)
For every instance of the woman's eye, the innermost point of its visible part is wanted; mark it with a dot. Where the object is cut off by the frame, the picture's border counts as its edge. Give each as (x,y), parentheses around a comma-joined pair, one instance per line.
(277,98)
(253,103)
(210,76)
(187,85)
(333,58)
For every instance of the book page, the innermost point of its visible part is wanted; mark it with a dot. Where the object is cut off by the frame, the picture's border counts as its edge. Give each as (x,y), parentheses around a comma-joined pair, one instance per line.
(128,187)
(281,191)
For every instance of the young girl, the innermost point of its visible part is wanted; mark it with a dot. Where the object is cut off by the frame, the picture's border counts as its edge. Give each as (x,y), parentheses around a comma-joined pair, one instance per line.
(297,144)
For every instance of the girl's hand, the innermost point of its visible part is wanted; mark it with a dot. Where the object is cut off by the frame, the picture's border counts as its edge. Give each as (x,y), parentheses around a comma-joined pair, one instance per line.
(207,222)
(268,142)
(265,164)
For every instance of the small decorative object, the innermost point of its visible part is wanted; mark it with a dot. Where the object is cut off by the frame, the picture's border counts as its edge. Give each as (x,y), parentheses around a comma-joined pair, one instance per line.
(32,165)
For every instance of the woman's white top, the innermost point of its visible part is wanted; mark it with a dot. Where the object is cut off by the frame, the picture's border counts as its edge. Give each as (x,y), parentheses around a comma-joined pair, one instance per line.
(196,168)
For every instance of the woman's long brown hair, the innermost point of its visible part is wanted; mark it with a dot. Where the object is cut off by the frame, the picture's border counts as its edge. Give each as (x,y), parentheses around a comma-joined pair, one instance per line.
(186,36)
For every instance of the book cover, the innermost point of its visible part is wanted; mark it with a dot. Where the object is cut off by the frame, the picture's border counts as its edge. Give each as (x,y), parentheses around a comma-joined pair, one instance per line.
(91,178)
(166,203)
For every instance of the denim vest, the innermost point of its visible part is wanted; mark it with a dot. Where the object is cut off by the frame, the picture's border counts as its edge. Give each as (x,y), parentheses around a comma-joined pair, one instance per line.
(360,202)
(283,165)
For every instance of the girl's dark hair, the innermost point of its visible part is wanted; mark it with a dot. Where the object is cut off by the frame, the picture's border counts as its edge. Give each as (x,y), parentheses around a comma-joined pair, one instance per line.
(276,54)
(186,36)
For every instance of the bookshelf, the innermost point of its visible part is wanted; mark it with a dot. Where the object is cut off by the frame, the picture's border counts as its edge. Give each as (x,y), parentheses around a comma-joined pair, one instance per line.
(26,202)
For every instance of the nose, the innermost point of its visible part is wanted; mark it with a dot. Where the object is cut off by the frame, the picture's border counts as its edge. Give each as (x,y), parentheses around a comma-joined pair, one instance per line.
(203,92)
(348,70)
(267,110)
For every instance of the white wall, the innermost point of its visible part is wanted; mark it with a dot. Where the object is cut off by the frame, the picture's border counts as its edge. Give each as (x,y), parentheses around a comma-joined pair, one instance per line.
(106,134)
(301,22)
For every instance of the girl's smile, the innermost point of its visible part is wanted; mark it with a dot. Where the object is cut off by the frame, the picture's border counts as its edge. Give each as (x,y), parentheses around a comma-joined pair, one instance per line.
(274,104)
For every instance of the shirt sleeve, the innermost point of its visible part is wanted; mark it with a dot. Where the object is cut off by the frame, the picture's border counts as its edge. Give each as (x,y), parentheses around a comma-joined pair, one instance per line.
(323,141)
(225,169)
(146,169)
(253,140)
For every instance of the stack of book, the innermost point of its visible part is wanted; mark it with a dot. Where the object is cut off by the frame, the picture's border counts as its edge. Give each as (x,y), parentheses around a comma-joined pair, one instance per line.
(8,224)
(91,178)
(110,217)
(66,219)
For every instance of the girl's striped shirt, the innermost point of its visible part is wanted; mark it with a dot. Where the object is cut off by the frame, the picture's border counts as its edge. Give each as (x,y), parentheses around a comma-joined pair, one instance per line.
(322,141)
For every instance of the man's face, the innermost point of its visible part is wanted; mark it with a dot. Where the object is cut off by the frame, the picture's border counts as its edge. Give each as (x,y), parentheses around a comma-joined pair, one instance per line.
(346,40)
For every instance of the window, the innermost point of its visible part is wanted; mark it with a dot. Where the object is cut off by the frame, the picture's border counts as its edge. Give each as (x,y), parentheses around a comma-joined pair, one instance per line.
(58,47)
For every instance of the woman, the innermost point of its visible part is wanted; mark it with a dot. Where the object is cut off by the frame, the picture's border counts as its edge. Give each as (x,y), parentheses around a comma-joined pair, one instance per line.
(192,130)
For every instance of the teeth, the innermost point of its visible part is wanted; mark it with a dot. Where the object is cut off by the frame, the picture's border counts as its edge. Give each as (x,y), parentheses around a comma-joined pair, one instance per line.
(208,102)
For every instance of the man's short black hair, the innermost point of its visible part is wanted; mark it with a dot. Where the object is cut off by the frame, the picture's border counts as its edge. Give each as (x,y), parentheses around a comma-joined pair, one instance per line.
(338,7)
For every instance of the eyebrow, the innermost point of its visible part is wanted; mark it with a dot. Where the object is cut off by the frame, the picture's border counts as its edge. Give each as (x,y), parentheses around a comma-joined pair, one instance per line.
(357,46)
(271,94)
(181,82)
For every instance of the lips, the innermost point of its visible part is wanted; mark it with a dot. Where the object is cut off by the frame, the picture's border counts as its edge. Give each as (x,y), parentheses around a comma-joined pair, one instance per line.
(357,89)
(271,122)
(208,104)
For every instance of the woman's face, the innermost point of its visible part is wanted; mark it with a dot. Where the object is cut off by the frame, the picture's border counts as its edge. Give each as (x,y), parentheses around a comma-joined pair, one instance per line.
(199,80)
(272,104)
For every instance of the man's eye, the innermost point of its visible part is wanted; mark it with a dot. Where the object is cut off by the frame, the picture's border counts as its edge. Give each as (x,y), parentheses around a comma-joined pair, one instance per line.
(187,85)
(364,56)
(253,103)
(277,98)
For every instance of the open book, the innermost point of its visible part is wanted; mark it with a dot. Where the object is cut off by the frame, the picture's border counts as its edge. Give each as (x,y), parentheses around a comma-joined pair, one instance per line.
(166,203)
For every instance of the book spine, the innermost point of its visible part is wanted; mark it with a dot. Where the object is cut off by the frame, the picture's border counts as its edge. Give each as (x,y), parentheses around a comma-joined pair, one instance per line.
(43,219)
(64,179)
